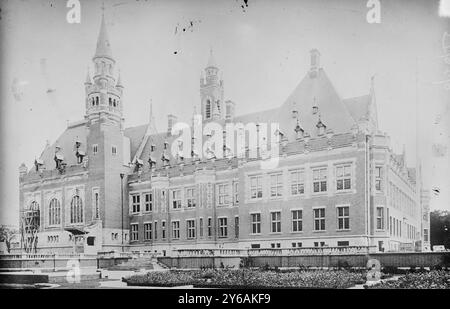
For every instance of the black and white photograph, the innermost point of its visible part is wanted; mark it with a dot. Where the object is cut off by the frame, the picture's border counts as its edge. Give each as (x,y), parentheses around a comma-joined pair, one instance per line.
(224,150)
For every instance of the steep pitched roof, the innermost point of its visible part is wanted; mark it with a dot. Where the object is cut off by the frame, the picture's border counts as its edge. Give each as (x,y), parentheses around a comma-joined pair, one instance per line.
(358,106)
(66,142)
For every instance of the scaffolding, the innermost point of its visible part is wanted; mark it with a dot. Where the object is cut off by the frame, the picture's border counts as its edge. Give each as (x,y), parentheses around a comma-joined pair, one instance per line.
(30,222)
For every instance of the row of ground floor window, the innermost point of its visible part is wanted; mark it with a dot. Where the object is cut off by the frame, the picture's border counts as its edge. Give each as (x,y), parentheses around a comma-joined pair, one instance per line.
(226,227)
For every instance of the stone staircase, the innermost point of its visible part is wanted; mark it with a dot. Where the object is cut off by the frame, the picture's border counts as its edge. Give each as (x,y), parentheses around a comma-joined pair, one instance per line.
(135,264)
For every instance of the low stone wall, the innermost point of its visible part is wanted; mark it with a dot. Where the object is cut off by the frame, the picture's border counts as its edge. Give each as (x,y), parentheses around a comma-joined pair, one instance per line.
(46,262)
(424,259)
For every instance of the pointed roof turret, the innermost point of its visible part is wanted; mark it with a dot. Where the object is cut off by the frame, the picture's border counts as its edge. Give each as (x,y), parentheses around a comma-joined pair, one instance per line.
(103,43)
(88,78)
(119,80)
(211,60)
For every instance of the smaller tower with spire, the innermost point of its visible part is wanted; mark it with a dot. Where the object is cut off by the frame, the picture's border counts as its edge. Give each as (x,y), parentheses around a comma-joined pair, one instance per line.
(211,92)
(103,93)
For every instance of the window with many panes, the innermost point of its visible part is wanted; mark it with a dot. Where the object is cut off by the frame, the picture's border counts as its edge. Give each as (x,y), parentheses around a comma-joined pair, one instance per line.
(297,220)
(380,218)
(190,197)
(425,234)
(343,177)
(147,231)
(190,225)
(134,232)
(256,223)
(275,222)
(163,229)
(135,203)
(175,229)
(319,219)
(148,203)
(343,217)
(156,229)
(209,227)
(378,179)
(276,185)
(236,227)
(256,187)
(223,194)
(176,199)
(297,182)
(320,180)
(223,227)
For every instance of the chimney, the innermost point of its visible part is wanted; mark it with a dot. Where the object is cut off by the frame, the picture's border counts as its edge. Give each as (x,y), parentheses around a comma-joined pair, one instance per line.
(171,120)
(315,62)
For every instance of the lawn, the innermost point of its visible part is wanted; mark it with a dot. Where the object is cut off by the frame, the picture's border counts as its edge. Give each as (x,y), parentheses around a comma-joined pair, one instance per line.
(245,278)
(435,279)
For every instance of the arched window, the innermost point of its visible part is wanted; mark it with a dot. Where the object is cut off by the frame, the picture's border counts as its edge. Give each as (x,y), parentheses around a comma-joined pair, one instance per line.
(33,206)
(76,210)
(54,212)
(93,101)
(208,109)
(96,100)
(110,101)
(114,103)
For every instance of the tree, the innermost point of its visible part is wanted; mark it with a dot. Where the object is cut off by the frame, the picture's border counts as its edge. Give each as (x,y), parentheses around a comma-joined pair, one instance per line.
(7,235)
(440,228)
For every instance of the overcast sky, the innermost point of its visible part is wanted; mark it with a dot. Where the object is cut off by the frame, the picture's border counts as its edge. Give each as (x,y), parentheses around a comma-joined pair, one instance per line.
(262,52)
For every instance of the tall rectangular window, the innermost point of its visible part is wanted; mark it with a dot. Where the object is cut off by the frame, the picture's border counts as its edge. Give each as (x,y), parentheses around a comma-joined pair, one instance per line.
(156,229)
(236,192)
(297,220)
(343,177)
(209,227)
(425,235)
(223,194)
(190,225)
(176,199)
(200,227)
(190,197)
(256,223)
(276,185)
(163,229)
(114,150)
(236,227)
(134,232)
(378,178)
(135,203)
(148,204)
(147,231)
(320,180)
(275,224)
(343,216)
(297,182)
(95,149)
(380,218)
(319,219)
(175,229)
(96,202)
(223,227)
(256,187)
(390,225)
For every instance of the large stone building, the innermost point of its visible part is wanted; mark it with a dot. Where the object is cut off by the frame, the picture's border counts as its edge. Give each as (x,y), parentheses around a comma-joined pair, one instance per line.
(337,182)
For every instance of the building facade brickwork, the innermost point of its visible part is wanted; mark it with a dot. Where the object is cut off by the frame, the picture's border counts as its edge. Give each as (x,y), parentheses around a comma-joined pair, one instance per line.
(336,183)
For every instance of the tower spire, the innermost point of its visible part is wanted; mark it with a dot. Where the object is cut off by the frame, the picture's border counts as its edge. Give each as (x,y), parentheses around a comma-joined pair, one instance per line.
(211,60)
(103,43)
